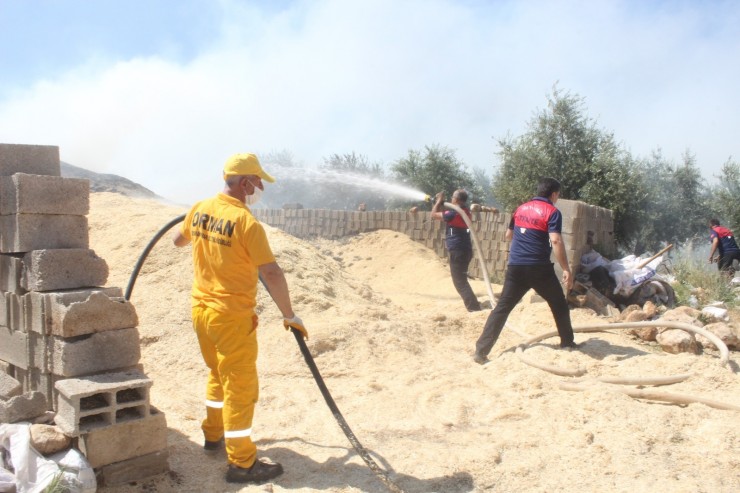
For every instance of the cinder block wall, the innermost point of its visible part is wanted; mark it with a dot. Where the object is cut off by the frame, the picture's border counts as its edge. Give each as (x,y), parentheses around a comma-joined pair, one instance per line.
(67,343)
(582,224)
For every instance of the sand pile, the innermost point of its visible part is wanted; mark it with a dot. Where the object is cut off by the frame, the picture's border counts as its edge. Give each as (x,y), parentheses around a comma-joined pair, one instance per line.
(394,344)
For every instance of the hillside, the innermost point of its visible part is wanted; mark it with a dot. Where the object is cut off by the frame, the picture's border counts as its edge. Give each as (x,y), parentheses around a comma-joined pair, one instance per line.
(102,182)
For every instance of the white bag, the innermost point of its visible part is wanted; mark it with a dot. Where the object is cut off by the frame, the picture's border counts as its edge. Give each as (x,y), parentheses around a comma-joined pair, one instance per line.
(591,260)
(626,263)
(32,472)
(76,470)
(630,279)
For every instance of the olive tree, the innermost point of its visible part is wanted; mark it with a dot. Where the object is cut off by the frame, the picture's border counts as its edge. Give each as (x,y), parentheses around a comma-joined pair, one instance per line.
(563,143)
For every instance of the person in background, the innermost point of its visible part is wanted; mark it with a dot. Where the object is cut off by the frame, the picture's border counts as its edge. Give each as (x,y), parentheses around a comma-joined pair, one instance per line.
(535,232)
(459,246)
(230,251)
(723,242)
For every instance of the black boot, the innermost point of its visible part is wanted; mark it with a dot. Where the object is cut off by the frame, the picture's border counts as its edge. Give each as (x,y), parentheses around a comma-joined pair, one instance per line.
(260,471)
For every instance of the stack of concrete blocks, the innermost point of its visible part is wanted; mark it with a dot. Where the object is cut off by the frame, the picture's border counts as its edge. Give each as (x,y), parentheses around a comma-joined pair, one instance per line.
(68,344)
(584,226)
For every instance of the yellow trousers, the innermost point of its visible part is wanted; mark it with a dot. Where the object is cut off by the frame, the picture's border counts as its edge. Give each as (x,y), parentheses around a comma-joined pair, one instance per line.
(229,348)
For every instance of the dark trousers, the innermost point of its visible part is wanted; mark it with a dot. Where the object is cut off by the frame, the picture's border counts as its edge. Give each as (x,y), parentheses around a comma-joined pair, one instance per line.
(519,279)
(459,261)
(726,261)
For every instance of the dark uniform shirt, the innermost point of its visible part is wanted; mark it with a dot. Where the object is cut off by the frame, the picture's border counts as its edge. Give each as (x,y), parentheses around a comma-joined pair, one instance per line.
(457,234)
(532,223)
(726,243)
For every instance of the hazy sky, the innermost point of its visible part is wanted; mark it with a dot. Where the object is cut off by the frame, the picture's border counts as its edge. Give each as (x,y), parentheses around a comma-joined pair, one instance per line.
(163,91)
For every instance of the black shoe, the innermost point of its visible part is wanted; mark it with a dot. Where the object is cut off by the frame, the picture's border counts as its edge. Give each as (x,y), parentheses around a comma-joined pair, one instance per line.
(260,471)
(480,359)
(212,447)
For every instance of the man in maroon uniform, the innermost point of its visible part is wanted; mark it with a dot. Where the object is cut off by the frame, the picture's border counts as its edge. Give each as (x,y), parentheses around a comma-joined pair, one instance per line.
(535,233)
(459,246)
(723,242)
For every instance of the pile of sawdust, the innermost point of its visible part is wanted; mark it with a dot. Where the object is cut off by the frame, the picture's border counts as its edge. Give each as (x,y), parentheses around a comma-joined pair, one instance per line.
(394,344)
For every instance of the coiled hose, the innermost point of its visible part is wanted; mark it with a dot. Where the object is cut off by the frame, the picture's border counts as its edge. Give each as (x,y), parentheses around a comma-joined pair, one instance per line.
(361,451)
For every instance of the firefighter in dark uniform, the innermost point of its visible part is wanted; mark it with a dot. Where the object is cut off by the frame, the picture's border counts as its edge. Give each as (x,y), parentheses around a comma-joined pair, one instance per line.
(723,242)
(535,231)
(459,246)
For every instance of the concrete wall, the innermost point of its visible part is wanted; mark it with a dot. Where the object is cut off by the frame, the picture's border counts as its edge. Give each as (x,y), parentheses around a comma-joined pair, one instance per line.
(583,224)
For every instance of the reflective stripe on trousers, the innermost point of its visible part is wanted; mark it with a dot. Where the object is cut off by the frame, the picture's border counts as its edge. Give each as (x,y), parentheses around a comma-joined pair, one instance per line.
(229,348)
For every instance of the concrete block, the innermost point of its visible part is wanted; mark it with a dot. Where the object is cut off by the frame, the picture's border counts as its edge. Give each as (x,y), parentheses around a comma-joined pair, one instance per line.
(22,407)
(32,159)
(9,387)
(123,441)
(94,353)
(70,268)
(21,233)
(11,272)
(87,403)
(37,350)
(573,208)
(78,312)
(13,312)
(4,309)
(134,469)
(39,194)
(14,347)
(36,380)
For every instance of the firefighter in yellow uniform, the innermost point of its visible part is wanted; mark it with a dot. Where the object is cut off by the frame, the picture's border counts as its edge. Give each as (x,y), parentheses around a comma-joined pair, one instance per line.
(230,254)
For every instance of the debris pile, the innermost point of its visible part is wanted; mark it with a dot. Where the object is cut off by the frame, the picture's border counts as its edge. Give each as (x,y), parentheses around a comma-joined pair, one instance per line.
(609,286)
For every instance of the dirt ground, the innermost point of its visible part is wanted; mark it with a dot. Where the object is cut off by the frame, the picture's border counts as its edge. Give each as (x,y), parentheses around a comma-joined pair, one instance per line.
(394,343)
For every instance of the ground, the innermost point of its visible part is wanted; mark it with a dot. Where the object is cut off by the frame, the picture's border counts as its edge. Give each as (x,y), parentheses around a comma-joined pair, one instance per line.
(394,344)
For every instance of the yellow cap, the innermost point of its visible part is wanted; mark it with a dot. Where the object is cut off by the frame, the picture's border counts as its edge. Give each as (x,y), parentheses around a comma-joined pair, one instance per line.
(246,164)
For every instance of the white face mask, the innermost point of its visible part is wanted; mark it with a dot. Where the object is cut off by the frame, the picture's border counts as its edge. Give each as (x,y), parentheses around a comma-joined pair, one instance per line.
(255,197)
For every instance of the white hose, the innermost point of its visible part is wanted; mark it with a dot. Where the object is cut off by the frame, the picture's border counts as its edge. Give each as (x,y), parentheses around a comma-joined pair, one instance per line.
(481,260)
(582,384)
(568,372)
(657,395)
(478,251)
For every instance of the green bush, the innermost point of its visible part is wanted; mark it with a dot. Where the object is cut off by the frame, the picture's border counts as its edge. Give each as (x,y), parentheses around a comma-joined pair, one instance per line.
(701,279)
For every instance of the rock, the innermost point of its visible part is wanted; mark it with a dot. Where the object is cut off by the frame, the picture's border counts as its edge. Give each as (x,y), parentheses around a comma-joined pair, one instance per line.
(715,314)
(648,334)
(635,316)
(724,332)
(651,311)
(683,314)
(48,439)
(684,310)
(677,341)
(629,309)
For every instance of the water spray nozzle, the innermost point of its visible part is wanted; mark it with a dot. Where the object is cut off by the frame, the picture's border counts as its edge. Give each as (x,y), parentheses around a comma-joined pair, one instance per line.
(427,198)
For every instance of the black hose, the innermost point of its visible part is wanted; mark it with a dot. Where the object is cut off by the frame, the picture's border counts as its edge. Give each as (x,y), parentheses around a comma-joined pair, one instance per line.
(361,451)
(145,254)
